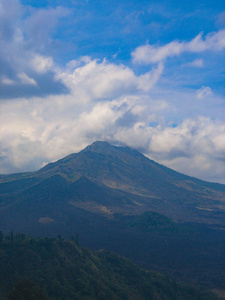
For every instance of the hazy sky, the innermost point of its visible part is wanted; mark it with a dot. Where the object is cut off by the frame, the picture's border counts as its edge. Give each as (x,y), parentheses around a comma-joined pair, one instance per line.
(147,74)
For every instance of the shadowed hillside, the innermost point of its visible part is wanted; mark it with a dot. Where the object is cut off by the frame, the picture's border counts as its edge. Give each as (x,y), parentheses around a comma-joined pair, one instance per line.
(61,270)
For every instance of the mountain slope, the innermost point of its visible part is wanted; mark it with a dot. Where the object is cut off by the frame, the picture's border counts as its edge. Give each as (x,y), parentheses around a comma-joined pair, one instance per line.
(121,179)
(64,270)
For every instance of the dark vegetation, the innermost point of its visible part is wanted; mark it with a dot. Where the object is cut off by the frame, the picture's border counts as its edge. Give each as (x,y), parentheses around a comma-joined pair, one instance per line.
(26,290)
(50,268)
(154,222)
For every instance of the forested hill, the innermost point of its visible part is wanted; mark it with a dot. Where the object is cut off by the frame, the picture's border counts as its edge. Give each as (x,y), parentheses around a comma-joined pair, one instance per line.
(50,268)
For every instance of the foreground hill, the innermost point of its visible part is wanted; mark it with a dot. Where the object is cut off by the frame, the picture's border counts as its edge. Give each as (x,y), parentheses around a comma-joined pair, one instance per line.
(118,199)
(59,269)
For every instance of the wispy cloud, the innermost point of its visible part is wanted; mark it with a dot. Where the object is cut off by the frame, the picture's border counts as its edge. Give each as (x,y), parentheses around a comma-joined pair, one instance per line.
(149,54)
(220,21)
(203,92)
(26,79)
(197,63)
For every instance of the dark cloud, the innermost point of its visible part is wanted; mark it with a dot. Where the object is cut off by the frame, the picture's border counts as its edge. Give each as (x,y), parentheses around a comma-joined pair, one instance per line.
(127,120)
(10,12)
(24,72)
(46,85)
(40,25)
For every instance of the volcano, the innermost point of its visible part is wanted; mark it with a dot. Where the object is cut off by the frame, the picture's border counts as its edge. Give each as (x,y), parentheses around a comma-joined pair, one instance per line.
(107,180)
(118,199)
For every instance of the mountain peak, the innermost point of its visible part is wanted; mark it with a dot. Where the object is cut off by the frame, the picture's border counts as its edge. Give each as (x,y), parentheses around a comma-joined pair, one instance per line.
(101,147)
(97,145)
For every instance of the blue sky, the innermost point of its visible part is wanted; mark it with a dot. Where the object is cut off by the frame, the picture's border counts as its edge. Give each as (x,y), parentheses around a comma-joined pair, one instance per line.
(146,74)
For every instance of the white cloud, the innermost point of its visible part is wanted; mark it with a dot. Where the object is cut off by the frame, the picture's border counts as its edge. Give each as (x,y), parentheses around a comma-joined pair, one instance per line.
(23,78)
(71,65)
(154,54)
(148,54)
(195,147)
(7,81)
(48,129)
(26,79)
(104,80)
(53,127)
(41,64)
(147,81)
(196,63)
(203,92)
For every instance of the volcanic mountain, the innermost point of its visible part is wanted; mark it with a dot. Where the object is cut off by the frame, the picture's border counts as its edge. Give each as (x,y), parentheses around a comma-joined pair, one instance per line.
(106,179)
(115,198)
